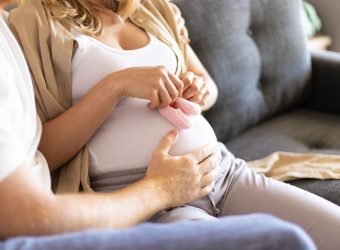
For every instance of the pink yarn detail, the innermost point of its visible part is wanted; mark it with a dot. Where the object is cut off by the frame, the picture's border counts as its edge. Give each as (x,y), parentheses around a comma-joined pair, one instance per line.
(189,108)
(178,113)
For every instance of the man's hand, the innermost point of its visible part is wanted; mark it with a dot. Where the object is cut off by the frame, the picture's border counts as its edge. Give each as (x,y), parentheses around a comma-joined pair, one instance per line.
(27,209)
(186,178)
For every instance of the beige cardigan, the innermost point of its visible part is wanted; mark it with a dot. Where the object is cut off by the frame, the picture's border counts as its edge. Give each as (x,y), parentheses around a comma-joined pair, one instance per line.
(48,47)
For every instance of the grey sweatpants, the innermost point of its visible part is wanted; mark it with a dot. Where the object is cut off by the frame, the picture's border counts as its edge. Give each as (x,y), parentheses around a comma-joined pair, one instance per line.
(239,190)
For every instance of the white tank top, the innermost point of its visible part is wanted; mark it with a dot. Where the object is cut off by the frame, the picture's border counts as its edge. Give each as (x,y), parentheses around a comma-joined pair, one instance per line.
(128,137)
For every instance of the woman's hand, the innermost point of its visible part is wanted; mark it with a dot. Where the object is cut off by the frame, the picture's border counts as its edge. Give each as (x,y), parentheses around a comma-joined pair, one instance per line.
(195,88)
(155,84)
(182,179)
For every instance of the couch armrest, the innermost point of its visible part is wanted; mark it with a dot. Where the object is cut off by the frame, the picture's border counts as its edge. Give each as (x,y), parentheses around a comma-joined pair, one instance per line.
(325,82)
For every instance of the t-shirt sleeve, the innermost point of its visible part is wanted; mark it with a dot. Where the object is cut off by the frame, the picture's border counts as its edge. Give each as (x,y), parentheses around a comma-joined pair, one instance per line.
(12,151)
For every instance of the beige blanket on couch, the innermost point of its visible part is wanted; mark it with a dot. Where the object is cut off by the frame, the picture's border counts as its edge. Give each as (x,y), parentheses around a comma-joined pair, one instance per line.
(286,166)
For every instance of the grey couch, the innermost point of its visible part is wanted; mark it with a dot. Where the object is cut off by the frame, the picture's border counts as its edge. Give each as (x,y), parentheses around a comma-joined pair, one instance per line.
(273,95)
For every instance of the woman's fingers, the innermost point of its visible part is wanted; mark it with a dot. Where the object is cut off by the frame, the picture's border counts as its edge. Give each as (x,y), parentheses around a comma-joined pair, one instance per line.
(200,96)
(197,98)
(177,82)
(202,102)
(187,78)
(154,100)
(169,87)
(174,86)
(195,88)
(173,92)
(164,96)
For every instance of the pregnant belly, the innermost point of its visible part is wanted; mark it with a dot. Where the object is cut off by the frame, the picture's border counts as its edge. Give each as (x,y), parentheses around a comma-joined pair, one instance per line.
(129,136)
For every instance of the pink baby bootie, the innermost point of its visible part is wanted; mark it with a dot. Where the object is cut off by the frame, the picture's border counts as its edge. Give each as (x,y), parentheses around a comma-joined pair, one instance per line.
(179,112)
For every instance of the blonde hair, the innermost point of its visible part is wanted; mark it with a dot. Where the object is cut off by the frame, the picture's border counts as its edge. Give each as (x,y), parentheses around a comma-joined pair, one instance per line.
(84,14)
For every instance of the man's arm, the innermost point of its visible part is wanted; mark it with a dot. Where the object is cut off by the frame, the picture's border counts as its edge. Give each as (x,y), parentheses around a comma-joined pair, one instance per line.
(27,209)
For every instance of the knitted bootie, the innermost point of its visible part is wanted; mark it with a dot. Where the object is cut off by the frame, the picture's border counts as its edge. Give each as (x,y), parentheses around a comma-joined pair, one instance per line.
(189,108)
(178,113)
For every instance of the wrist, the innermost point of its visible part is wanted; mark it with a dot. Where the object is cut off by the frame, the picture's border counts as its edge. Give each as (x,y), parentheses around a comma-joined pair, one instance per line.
(154,188)
(113,86)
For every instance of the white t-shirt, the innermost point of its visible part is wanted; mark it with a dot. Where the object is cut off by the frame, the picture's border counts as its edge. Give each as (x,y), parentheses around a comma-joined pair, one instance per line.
(20,127)
(131,133)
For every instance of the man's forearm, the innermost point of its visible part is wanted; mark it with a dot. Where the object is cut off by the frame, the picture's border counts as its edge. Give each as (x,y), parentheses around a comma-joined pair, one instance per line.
(121,209)
(32,211)
(29,209)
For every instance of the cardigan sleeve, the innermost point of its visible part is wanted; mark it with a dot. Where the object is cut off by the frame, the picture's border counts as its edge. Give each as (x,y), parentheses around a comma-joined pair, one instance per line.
(48,50)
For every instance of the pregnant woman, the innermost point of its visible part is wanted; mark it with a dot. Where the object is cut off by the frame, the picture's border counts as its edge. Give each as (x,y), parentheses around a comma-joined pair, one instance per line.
(127,60)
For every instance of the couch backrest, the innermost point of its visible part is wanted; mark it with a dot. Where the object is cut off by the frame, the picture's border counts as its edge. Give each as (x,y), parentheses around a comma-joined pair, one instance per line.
(256,52)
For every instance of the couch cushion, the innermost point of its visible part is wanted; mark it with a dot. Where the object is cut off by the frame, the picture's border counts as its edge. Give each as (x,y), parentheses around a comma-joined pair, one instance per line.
(297,131)
(256,52)
(300,131)
(328,189)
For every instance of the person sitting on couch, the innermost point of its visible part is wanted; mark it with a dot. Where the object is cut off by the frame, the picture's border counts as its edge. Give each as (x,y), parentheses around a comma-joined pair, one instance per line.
(100,110)
(28,207)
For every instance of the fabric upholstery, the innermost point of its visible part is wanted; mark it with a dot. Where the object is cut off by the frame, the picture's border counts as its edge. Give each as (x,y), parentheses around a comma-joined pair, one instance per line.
(328,189)
(268,98)
(256,52)
(325,86)
(299,131)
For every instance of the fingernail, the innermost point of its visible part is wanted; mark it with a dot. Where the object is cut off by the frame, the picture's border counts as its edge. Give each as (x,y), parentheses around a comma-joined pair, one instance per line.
(174,132)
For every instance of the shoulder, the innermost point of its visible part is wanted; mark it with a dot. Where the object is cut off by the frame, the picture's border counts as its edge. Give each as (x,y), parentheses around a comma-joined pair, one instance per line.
(3,21)
(33,23)
(28,20)
(159,12)
(4,14)
(165,7)
(30,11)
